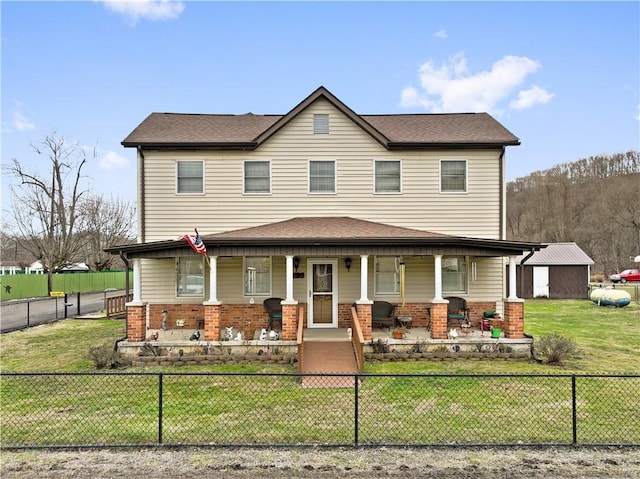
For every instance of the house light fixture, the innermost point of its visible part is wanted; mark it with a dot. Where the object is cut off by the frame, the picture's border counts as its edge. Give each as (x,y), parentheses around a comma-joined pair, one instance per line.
(296,263)
(347,263)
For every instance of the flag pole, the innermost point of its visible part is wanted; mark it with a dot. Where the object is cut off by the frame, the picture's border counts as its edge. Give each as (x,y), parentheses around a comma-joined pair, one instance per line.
(206,256)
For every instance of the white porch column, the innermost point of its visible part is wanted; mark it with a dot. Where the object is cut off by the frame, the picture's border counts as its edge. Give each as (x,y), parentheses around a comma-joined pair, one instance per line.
(213,280)
(513,294)
(289,273)
(137,282)
(438,277)
(364,275)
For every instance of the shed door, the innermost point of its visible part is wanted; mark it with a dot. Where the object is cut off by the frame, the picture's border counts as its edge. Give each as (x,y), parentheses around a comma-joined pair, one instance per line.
(540,281)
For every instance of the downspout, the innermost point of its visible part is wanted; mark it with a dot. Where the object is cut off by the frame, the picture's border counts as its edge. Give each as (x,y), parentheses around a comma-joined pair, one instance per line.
(522,262)
(502,207)
(127,265)
(533,349)
(141,196)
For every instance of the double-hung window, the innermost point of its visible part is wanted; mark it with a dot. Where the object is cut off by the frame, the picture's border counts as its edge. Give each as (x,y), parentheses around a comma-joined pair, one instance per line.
(322,177)
(257,177)
(454,274)
(387,275)
(190,277)
(387,176)
(189,176)
(257,275)
(453,176)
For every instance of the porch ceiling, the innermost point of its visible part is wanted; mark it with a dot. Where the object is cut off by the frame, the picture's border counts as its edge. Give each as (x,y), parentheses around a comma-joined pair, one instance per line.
(329,236)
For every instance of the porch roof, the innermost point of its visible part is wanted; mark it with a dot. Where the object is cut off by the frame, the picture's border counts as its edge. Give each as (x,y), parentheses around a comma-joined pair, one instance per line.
(329,235)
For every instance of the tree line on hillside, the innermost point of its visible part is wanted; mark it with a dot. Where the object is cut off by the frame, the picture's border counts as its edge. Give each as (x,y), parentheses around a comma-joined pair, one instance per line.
(55,219)
(594,202)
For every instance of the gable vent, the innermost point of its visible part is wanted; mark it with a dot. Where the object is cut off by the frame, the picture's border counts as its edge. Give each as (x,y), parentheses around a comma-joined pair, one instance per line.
(320,124)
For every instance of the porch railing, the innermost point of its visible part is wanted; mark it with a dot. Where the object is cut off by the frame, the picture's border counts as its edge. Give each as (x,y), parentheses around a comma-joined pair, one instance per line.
(357,339)
(116,305)
(300,335)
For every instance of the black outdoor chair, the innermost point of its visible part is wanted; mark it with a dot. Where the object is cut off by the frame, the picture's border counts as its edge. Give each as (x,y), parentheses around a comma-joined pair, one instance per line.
(273,307)
(457,311)
(382,313)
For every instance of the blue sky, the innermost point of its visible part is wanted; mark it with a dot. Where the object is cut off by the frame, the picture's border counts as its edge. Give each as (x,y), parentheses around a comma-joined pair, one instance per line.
(562,76)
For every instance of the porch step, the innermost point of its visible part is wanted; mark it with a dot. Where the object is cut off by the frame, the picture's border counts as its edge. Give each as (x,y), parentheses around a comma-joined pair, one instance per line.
(328,357)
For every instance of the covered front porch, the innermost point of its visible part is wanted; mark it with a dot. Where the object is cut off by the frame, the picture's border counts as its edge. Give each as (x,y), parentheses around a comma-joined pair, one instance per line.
(327,266)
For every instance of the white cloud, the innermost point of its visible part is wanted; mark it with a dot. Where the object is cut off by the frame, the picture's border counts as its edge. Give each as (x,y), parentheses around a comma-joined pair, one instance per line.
(531,97)
(113,161)
(451,87)
(442,33)
(638,114)
(21,123)
(134,10)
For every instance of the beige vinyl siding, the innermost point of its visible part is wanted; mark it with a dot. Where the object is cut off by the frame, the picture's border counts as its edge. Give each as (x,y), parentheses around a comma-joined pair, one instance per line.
(225,207)
(159,282)
(159,279)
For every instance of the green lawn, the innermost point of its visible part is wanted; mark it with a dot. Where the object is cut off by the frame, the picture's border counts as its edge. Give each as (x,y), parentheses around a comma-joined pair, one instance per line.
(76,409)
(608,340)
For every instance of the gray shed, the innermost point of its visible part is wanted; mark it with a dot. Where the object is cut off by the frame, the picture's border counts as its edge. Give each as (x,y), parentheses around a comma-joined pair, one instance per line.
(559,271)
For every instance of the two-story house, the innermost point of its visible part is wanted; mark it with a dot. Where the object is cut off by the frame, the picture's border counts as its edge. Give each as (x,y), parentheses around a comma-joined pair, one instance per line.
(322,207)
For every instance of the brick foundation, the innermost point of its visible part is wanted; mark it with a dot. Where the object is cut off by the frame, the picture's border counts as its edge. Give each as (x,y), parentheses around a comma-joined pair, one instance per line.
(212,322)
(211,318)
(513,322)
(289,322)
(439,320)
(364,317)
(136,323)
(251,317)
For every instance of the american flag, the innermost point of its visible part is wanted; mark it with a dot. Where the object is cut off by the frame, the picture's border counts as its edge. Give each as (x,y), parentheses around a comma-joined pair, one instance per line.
(195,242)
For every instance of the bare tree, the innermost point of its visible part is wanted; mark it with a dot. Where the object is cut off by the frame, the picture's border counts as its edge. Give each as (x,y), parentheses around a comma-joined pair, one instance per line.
(46,212)
(107,222)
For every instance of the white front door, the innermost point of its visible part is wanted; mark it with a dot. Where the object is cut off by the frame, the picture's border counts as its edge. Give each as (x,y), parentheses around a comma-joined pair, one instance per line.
(540,281)
(322,284)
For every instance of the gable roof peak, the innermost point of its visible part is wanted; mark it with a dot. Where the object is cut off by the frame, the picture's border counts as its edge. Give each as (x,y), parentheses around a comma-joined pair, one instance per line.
(322,92)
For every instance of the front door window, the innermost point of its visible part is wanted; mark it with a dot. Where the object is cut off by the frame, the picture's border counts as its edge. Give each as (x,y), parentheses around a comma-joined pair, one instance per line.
(323,305)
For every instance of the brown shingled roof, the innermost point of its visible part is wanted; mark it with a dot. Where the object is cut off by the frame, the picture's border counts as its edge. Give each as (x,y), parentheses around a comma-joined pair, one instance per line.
(248,131)
(181,128)
(333,231)
(309,228)
(441,128)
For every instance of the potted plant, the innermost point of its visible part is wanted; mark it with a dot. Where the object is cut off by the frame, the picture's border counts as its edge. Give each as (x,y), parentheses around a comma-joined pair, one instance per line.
(399,332)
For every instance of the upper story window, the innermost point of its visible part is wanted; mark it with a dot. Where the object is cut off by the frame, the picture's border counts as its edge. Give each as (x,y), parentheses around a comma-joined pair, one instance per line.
(454,274)
(320,124)
(257,275)
(322,177)
(387,176)
(453,176)
(190,176)
(387,274)
(257,177)
(190,278)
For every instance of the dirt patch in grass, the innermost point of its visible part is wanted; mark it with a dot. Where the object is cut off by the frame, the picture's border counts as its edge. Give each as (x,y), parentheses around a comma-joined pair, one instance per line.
(241,463)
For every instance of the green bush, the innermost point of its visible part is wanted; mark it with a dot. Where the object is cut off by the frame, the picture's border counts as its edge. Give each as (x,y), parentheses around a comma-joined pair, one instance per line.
(556,348)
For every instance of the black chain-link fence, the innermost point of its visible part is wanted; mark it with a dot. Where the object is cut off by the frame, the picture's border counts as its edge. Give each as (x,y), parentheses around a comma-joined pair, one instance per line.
(121,409)
(15,315)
